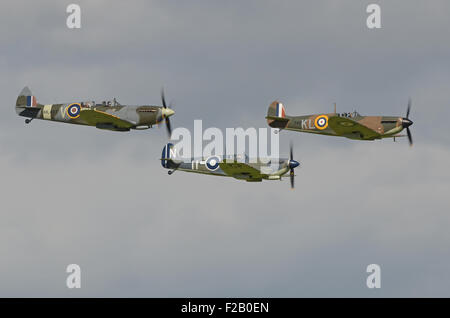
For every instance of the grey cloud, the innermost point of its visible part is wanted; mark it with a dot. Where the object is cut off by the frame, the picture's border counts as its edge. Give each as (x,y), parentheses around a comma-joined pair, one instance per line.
(102,200)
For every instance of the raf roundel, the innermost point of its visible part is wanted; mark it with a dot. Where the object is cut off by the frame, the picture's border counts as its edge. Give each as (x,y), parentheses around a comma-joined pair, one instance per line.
(73,110)
(321,122)
(212,163)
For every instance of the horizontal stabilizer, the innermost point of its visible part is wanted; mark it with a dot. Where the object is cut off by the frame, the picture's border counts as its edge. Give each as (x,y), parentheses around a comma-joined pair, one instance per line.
(282,119)
(30,112)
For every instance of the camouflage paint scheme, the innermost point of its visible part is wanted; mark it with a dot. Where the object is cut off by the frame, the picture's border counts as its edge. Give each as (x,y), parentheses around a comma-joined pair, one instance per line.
(238,167)
(115,117)
(349,125)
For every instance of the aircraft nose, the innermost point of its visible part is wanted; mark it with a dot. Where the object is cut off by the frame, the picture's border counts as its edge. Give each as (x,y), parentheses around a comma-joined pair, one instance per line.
(406,122)
(293,164)
(167,112)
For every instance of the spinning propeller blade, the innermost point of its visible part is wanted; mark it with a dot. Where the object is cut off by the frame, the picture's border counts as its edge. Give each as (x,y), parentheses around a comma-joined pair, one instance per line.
(292,165)
(167,111)
(409,136)
(407,122)
(408,109)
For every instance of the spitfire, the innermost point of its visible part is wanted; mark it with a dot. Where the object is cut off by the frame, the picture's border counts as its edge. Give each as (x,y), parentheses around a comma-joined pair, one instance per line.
(238,167)
(349,125)
(112,115)
(109,115)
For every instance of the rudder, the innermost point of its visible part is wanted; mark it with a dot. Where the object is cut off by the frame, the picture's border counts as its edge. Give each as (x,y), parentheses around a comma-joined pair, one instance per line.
(26,104)
(276,115)
(168,153)
(276,109)
(26,98)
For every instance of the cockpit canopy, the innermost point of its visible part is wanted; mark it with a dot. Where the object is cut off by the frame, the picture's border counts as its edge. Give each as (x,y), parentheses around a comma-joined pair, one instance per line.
(111,102)
(349,115)
(237,157)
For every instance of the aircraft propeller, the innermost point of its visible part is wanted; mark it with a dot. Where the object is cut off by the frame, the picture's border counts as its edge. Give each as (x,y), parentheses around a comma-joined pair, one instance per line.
(167,112)
(406,122)
(292,164)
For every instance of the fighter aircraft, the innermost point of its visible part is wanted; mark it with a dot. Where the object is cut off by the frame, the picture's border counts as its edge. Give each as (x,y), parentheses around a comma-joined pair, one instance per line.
(238,167)
(349,125)
(109,115)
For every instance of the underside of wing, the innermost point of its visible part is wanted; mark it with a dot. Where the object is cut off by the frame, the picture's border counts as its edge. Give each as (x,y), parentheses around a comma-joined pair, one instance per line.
(240,170)
(352,129)
(104,120)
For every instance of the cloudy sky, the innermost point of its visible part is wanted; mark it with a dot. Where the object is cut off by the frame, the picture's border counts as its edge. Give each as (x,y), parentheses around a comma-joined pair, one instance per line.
(101,199)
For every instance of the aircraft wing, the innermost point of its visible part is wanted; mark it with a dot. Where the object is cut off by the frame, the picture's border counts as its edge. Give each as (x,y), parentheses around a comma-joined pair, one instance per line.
(94,117)
(240,170)
(344,126)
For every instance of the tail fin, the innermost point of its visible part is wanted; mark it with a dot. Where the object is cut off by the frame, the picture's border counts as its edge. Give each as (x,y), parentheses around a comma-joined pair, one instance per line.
(26,98)
(168,153)
(276,109)
(276,115)
(26,103)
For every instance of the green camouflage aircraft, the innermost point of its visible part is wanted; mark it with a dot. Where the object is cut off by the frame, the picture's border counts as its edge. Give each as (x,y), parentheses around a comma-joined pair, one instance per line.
(349,125)
(109,115)
(238,167)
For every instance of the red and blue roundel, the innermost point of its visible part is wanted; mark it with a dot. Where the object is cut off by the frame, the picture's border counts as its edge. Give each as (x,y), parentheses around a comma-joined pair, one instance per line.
(212,163)
(73,110)
(321,122)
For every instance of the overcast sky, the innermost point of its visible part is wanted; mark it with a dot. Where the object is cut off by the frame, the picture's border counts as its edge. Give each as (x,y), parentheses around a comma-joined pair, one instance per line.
(101,199)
